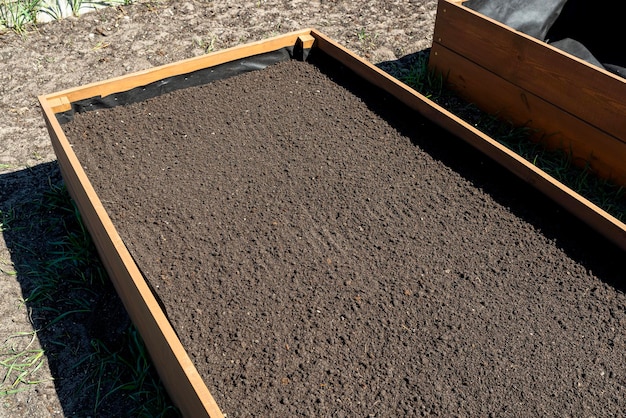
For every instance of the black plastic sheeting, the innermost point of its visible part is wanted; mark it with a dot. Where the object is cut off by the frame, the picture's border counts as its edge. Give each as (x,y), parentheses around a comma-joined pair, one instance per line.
(590,30)
(196,78)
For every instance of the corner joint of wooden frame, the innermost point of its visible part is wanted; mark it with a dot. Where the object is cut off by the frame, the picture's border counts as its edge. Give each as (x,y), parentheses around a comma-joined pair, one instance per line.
(59,104)
(306,40)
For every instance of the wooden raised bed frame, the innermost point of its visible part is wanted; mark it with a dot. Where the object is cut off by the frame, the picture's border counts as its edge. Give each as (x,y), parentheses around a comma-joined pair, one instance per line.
(173,364)
(569,103)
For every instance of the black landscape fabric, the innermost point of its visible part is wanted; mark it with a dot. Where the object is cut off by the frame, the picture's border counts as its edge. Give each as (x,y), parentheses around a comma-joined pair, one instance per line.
(589,30)
(196,78)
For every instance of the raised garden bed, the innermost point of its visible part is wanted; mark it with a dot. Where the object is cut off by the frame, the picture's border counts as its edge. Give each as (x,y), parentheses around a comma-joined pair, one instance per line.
(300,240)
(567,102)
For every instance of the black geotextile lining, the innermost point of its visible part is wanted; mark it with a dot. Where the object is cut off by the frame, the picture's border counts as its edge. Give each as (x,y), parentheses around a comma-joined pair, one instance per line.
(196,78)
(590,30)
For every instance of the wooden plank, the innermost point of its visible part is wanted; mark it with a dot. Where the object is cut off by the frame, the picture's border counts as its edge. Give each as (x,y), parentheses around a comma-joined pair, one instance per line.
(179,376)
(555,128)
(588,92)
(591,214)
(142,78)
(59,104)
(307,40)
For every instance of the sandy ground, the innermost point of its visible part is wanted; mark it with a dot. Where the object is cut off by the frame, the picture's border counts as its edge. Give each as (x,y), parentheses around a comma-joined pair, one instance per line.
(117,41)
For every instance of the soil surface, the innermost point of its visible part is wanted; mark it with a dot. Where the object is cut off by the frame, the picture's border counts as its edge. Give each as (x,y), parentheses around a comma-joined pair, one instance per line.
(586,304)
(114,42)
(322,252)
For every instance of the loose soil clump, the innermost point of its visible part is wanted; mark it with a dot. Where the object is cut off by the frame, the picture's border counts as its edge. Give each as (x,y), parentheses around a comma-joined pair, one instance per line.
(322,251)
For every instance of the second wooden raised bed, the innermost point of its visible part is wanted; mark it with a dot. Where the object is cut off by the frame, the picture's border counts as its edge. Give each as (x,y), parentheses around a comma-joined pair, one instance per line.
(568,103)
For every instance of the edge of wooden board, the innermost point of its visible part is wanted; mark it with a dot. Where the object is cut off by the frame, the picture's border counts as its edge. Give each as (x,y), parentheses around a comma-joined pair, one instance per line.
(555,128)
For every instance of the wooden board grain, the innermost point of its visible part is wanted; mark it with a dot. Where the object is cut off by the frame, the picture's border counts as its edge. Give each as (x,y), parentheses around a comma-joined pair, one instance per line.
(604,154)
(590,93)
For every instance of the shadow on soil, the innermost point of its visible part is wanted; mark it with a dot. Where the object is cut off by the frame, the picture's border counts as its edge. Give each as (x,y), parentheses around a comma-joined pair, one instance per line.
(578,240)
(95,355)
(573,236)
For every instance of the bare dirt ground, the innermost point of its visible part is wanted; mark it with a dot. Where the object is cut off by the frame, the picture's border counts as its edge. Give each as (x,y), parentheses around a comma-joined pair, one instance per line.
(117,41)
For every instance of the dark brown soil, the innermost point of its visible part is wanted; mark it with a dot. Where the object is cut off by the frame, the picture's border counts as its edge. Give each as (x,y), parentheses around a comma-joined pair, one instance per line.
(113,42)
(322,252)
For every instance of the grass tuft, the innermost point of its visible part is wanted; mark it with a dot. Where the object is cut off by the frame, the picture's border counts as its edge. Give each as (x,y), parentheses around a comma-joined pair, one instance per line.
(19,363)
(78,318)
(419,77)
(127,374)
(18,15)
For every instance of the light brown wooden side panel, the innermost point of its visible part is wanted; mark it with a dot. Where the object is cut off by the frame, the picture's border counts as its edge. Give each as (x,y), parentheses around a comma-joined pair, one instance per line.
(174,366)
(605,154)
(586,91)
